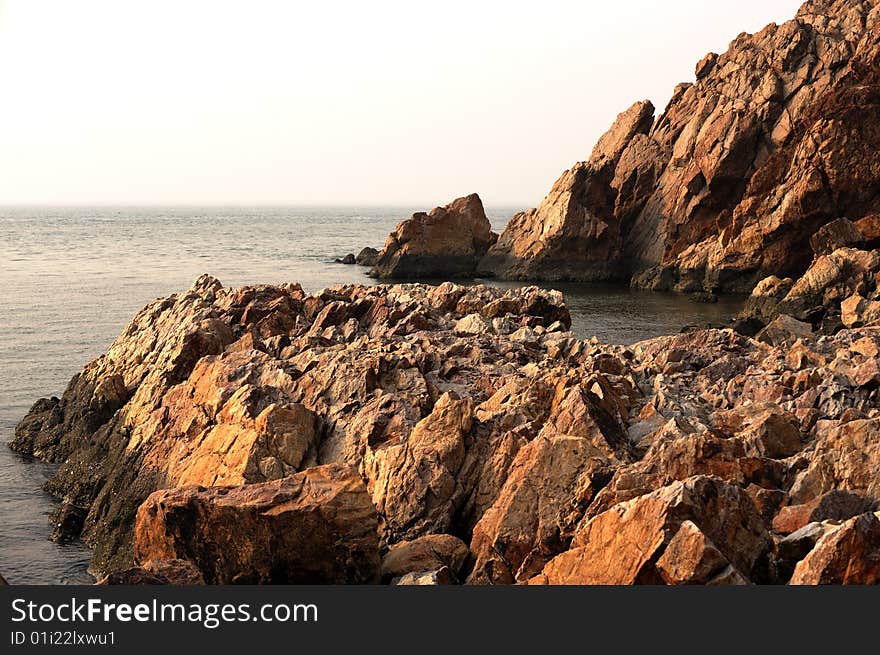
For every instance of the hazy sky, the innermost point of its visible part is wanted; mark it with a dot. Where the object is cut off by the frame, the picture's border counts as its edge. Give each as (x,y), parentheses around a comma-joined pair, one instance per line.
(320,102)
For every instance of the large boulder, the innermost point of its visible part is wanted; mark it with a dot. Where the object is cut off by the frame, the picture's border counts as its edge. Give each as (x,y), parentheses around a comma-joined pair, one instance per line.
(845,457)
(446,242)
(573,234)
(625,544)
(847,554)
(528,523)
(317,526)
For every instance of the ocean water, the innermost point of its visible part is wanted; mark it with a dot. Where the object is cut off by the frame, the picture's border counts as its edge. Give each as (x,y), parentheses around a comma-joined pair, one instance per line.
(71,278)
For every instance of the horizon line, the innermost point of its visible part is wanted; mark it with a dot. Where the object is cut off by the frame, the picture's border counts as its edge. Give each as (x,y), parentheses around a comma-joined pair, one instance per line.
(189,205)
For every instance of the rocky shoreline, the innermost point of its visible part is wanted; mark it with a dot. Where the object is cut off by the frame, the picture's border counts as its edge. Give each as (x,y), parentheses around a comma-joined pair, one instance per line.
(451,434)
(416,434)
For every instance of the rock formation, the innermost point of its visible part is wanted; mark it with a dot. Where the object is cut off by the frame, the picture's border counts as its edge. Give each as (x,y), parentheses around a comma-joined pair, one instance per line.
(315,527)
(436,435)
(776,138)
(839,289)
(446,242)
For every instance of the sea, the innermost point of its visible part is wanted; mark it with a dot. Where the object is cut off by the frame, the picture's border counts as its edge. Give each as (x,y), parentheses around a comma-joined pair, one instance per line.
(72,278)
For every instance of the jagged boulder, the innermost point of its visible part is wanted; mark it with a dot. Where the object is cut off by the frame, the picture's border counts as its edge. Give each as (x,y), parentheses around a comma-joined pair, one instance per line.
(317,526)
(625,544)
(848,554)
(446,242)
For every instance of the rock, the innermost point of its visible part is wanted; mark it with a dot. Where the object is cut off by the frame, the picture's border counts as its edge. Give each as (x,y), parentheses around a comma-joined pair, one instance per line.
(847,554)
(767,431)
(691,558)
(447,242)
(317,526)
(625,544)
(472,324)
(572,235)
(840,233)
(526,526)
(513,437)
(367,257)
(442,576)
(237,386)
(677,457)
(152,572)
(432,552)
(829,281)
(3,581)
(349,259)
(857,311)
(832,506)
(760,307)
(843,458)
(869,229)
(792,548)
(776,139)
(784,331)
(767,501)
(413,484)
(67,523)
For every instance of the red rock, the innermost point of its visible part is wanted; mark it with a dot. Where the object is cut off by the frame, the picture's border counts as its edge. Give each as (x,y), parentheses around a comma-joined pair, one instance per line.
(847,554)
(446,242)
(429,553)
(623,544)
(777,138)
(691,558)
(844,458)
(317,526)
(832,506)
(526,526)
(840,233)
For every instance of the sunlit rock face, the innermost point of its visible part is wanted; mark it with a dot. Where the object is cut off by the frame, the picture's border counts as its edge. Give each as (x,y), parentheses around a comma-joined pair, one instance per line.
(776,137)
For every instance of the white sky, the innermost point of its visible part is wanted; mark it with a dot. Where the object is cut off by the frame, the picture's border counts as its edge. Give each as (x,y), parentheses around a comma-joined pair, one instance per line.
(331,102)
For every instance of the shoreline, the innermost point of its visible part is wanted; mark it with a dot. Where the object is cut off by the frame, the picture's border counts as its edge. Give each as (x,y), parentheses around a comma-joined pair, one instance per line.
(609,421)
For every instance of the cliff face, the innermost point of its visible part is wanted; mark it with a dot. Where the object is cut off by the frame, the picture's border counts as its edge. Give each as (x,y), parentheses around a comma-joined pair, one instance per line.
(266,435)
(776,137)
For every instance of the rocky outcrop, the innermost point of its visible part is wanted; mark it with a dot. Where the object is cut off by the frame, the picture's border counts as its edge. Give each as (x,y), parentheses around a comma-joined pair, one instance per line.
(315,527)
(446,242)
(776,138)
(460,433)
(575,233)
(839,289)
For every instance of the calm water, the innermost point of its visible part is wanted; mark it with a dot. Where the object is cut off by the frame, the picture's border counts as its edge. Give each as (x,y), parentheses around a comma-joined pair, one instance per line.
(72,278)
